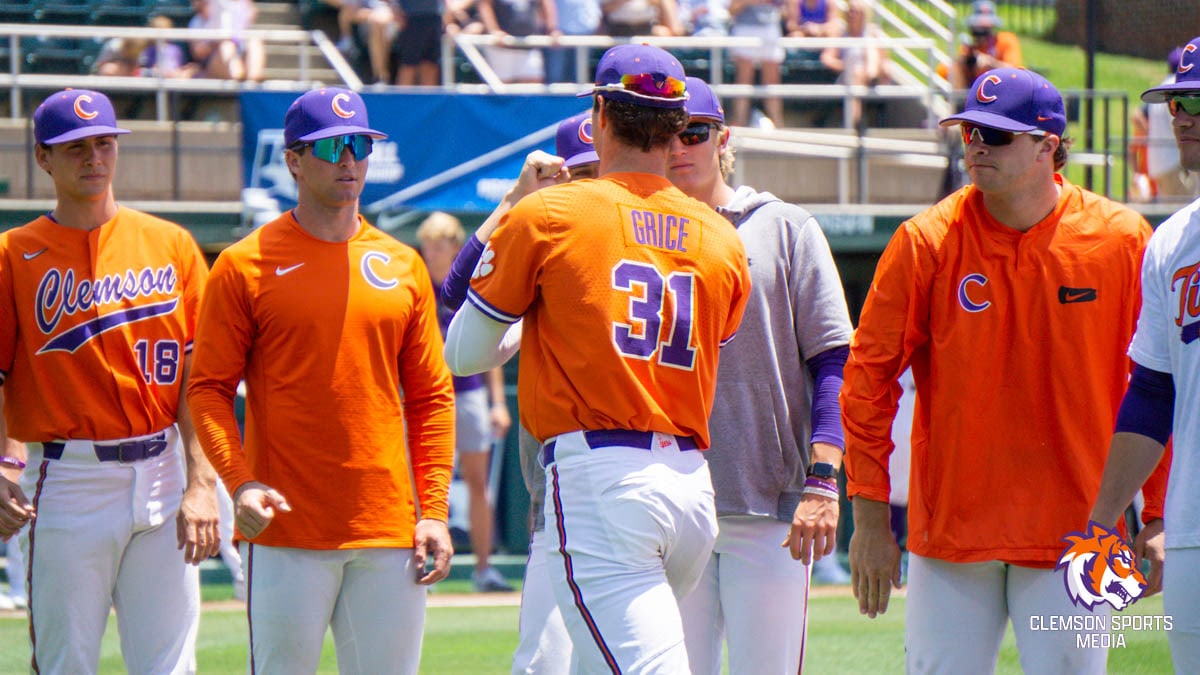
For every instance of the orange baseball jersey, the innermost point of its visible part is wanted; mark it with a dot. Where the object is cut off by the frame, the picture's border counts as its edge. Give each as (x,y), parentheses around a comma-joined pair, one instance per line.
(339,346)
(95,326)
(628,287)
(1017,345)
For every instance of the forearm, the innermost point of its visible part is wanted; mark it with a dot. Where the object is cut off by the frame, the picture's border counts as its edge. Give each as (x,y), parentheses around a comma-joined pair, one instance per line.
(475,343)
(871,515)
(430,423)
(10,447)
(495,384)
(1131,459)
(216,430)
(200,472)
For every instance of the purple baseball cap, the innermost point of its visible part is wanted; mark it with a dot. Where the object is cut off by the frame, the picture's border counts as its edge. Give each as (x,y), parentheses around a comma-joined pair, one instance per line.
(1013,99)
(573,142)
(325,113)
(703,101)
(72,114)
(642,75)
(1187,76)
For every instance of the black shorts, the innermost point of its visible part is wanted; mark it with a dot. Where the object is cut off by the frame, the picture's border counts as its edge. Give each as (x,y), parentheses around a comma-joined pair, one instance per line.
(420,41)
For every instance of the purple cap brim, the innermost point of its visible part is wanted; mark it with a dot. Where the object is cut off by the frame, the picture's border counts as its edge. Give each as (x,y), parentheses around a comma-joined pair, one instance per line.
(330,132)
(987,119)
(1162,92)
(85,132)
(582,158)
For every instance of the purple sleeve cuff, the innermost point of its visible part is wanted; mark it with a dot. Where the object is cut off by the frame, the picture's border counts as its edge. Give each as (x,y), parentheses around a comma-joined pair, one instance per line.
(454,287)
(1148,408)
(826,369)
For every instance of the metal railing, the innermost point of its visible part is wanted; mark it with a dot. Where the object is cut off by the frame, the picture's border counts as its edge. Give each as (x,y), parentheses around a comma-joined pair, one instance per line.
(310,45)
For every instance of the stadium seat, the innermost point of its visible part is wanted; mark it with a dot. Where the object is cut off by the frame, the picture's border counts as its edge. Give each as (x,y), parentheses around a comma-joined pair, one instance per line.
(180,11)
(121,12)
(17,11)
(62,11)
(53,55)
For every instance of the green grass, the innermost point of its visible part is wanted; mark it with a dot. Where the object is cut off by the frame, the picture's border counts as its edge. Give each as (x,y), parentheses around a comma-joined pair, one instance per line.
(479,641)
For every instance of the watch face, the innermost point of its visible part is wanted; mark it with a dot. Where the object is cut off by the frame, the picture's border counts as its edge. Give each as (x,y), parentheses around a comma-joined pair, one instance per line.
(822,470)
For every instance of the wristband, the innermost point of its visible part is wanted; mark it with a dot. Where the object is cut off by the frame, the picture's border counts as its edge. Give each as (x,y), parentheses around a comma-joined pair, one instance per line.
(813,481)
(821,492)
(13,462)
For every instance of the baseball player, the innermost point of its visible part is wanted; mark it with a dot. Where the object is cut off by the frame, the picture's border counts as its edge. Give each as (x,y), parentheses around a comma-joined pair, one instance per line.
(98,304)
(1013,300)
(543,646)
(333,326)
(480,409)
(630,257)
(1163,389)
(776,448)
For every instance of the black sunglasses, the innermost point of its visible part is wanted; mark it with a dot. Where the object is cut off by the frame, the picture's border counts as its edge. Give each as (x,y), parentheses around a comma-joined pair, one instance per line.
(695,134)
(1188,104)
(990,136)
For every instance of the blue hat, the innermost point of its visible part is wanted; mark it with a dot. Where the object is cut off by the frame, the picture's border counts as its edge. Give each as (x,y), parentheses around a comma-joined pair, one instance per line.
(325,113)
(1013,99)
(573,142)
(642,75)
(1187,76)
(983,16)
(703,101)
(72,114)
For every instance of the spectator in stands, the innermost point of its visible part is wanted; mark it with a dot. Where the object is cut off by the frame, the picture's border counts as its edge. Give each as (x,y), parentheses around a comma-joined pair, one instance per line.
(626,18)
(575,17)
(519,18)
(373,22)
(762,19)
(462,16)
(704,18)
(121,57)
(239,58)
(988,48)
(418,46)
(861,64)
(814,18)
(171,61)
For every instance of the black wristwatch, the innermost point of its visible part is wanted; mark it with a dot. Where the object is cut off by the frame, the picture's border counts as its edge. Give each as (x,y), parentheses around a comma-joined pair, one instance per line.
(823,470)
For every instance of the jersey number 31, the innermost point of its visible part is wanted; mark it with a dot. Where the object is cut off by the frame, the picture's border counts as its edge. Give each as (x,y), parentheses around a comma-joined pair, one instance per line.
(649,292)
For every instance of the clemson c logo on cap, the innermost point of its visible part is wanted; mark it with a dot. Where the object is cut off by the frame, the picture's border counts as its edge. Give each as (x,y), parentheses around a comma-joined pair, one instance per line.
(585,130)
(980,95)
(337,106)
(80,111)
(1186,50)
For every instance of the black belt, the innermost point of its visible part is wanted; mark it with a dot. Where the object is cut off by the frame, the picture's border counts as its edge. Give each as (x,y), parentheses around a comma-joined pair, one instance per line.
(125,451)
(607,438)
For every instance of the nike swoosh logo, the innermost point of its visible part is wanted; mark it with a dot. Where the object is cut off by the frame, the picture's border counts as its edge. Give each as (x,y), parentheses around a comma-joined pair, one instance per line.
(31,256)
(1043,119)
(1068,295)
(280,271)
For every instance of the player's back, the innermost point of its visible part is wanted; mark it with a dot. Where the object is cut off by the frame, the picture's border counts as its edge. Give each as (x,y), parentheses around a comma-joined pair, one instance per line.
(637,287)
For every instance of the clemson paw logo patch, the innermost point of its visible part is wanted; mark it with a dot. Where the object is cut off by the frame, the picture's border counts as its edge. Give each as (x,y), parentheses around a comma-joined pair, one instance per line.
(484,267)
(1099,567)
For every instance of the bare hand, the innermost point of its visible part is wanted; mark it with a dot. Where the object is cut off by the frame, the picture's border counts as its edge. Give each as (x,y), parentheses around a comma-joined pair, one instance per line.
(814,529)
(15,509)
(501,420)
(1149,545)
(197,526)
(255,506)
(541,169)
(874,559)
(432,538)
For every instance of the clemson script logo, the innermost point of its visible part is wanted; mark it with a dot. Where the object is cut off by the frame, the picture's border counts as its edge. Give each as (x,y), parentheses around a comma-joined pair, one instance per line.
(984,97)
(336,106)
(81,112)
(585,130)
(1187,52)
(1100,568)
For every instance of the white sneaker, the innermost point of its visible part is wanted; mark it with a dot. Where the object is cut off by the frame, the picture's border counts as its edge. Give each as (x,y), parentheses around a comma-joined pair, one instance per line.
(491,581)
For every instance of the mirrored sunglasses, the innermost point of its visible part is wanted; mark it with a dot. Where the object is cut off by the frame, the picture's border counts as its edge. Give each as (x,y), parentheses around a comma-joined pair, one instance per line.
(695,134)
(990,136)
(648,85)
(330,149)
(1189,104)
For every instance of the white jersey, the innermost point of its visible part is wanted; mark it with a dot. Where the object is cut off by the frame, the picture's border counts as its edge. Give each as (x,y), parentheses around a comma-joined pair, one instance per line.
(1168,340)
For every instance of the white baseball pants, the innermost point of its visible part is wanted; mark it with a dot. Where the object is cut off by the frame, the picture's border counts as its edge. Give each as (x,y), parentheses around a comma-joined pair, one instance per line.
(543,646)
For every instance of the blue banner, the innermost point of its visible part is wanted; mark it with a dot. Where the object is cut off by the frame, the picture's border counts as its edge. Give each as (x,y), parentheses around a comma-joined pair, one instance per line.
(457,152)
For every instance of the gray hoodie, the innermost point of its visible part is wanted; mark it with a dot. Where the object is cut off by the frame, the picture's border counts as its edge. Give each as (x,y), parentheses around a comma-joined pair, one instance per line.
(760,423)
